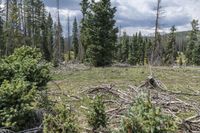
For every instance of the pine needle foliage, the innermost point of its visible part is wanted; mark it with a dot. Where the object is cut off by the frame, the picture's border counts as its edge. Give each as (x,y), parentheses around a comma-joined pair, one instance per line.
(144,117)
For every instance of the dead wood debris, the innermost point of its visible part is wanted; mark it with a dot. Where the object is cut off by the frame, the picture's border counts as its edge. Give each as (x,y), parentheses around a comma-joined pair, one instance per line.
(160,96)
(118,102)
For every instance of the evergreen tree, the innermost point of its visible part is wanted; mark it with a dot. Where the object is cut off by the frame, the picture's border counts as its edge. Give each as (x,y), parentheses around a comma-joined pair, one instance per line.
(118,47)
(83,32)
(23,76)
(97,116)
(34,16)
(124,48)
(141,49)
(133,54)
(44,36)
(68,38)
(101,33)
(37,23)
(191,42)
(75,38)
(26,23)
(144,117)
(12,30)
(1,31)
(50,38)
(149,48)
(196,52)
(59,46)
(171,52)
(144,51)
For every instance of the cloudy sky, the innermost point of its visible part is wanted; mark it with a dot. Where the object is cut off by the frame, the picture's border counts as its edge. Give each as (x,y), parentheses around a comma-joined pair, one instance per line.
(138,15)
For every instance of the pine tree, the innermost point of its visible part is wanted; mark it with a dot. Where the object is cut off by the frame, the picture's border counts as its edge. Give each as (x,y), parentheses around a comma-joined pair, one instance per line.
(124,48)
(12,30)
(50,38)
(171,52)
(1,31)
(68,38)
(26,23)
(58,54)
(83,32)
(75,39)
(144,51)
(97,116)
(196,52)
(6,27)
(40,17)
(191,42)
(27,7)
(133,54)
(118,47)
(141,49)
(101,33)
(59,45)
(44,42)
(149,48)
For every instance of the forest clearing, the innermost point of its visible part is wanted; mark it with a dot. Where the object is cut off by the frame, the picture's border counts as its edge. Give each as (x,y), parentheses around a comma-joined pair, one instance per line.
(99,66)
(71,82)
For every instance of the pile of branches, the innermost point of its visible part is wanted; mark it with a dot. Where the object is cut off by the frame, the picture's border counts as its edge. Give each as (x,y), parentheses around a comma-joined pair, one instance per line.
(120,101)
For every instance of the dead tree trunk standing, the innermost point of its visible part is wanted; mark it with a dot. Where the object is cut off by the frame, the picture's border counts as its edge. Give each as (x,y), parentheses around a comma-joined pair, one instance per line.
(156,53)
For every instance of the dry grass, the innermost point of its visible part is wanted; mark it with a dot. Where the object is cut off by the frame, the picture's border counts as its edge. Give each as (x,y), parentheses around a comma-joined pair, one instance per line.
(72,82)
(177,79)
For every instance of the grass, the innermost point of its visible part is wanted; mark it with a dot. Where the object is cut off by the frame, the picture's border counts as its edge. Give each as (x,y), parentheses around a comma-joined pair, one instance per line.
(176,79)
(185,80)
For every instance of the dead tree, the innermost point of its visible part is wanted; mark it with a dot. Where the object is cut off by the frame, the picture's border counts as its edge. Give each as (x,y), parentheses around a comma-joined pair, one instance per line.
(156,53)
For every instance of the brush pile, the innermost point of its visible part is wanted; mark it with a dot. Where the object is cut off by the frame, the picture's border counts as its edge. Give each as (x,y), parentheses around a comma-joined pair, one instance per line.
(118,102)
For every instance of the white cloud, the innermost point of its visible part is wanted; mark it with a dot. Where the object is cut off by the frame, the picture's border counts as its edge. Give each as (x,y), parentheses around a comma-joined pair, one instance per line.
(133,30)
(138,15)
(134,15)
(64,13)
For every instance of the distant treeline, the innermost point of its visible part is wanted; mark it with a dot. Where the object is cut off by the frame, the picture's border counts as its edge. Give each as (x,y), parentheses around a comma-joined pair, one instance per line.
(94,40)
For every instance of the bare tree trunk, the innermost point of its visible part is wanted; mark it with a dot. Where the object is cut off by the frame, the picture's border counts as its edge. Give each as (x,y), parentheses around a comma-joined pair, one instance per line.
(156,52)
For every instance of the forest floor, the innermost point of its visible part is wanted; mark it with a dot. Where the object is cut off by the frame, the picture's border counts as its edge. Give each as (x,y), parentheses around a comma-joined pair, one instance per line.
(73,81)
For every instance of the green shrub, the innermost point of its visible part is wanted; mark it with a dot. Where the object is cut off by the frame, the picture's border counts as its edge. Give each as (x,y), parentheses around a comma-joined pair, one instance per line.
(62,121)
(15,103)
(97,116)
(143,117)
(23,75)
(26,63)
